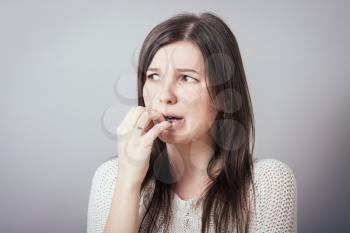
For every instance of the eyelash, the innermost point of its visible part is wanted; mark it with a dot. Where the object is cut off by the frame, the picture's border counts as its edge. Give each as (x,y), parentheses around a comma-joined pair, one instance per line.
(150,75)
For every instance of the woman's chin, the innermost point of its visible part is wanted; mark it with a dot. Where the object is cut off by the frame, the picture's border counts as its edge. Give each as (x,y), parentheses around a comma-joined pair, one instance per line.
(171,137)
(167,137)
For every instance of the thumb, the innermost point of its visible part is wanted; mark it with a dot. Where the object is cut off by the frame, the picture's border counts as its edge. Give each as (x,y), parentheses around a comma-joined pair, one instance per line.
(153,133)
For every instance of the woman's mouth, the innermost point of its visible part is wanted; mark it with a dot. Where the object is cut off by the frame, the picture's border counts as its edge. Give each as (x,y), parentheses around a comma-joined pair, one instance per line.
(176,122)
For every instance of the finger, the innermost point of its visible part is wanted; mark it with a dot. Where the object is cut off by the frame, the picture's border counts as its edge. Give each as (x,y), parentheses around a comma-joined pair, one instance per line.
(143,119)
(156,116)
(151,118)
(137,118)
(127,129)
(128,116)
(153,133)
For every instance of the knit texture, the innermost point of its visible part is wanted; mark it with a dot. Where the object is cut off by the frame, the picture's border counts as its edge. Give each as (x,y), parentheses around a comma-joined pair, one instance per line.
(275,210)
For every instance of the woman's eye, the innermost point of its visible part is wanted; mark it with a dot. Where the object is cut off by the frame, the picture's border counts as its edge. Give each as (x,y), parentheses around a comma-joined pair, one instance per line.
(189,78)
(185,77)
(150,76)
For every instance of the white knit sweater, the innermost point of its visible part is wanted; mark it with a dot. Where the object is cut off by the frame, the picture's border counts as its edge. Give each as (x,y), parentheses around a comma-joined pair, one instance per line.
(276,200)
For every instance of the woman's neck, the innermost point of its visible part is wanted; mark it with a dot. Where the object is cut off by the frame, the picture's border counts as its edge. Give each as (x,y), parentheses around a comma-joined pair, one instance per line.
(189,166)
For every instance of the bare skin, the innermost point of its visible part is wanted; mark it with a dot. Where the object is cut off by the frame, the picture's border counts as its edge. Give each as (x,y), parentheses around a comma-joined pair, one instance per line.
(171,87)
(134,149)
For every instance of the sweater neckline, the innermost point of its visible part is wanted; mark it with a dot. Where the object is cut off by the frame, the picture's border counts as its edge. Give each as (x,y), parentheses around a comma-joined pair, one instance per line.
(183,200)
(191,205)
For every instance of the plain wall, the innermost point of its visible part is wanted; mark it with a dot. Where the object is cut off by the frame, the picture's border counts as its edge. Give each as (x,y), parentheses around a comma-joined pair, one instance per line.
(68,77)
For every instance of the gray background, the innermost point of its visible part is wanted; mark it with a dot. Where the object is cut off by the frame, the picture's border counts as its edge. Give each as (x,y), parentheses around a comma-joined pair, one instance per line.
(60,63)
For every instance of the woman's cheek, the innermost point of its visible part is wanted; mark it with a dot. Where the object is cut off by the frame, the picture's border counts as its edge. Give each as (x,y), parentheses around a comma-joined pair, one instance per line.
(146,96)
(192,98)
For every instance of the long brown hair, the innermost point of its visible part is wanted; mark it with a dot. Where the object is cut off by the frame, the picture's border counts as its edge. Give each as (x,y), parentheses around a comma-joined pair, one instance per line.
(227,198)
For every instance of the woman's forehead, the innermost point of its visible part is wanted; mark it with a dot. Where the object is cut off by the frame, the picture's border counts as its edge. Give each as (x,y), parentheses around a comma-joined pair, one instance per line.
(182,54)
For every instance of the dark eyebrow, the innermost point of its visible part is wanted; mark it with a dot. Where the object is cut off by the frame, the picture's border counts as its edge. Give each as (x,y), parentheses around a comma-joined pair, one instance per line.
(187,70)
(152,69)
(178,69)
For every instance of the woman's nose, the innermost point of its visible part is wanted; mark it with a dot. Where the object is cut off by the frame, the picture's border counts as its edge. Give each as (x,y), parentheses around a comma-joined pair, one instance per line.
(167,94)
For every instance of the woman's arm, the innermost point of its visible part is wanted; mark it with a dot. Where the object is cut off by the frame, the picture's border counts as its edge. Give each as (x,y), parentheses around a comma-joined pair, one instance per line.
(276,197)
(110,199)
(124,214)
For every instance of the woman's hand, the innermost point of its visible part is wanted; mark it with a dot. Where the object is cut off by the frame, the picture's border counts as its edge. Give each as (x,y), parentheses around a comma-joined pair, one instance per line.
(134,144)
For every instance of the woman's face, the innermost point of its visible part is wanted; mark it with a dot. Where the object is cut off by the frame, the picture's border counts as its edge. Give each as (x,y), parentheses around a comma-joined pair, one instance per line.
(175,84)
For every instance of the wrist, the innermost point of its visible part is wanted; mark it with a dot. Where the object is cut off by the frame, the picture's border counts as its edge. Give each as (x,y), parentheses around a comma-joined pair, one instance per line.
(127,186)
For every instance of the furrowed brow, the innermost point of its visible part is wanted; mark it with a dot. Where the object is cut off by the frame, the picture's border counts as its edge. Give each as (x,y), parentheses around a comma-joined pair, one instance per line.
(178,69)
(187,70)
(153,69)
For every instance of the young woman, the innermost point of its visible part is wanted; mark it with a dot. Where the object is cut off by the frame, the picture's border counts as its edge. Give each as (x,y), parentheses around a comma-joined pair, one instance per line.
(185,153)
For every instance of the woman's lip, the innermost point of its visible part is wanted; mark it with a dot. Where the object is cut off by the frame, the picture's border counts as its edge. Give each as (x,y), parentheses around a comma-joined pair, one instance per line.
(171,115)
(175,124)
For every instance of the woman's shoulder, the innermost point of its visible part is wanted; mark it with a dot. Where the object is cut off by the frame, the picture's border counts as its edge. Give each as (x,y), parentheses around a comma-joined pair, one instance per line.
(267,172)
(105,178)
(264,169)
(107,170)
(108,164)
(271,166)
(273,177)
(275,196)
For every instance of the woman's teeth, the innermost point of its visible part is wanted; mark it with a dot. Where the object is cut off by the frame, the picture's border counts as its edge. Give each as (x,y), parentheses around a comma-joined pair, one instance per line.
(171,119)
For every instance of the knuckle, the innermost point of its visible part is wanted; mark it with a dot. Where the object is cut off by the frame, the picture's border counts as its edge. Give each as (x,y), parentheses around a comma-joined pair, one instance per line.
(158,126)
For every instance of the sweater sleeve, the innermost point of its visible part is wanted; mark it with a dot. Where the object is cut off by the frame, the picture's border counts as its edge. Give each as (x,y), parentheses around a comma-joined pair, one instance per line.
(101,193)
(276,197)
